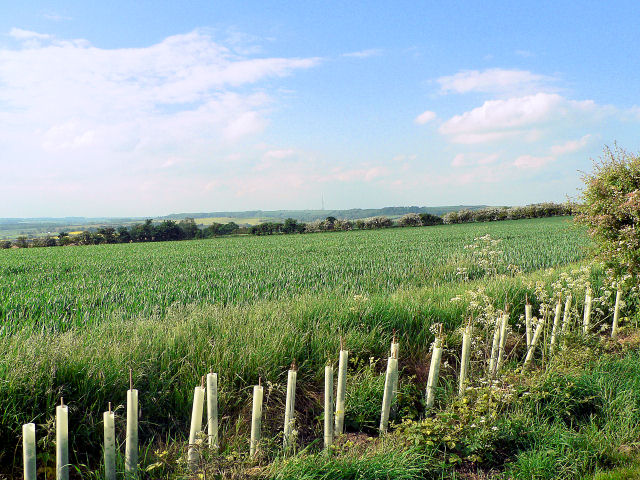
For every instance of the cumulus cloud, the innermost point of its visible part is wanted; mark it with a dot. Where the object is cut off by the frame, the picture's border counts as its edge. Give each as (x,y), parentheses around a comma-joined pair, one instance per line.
(425,117)
(530,162)
(571,146)
(20,34)
(371,52)
(470,159)
(71,110)
(496,81)
(499,119)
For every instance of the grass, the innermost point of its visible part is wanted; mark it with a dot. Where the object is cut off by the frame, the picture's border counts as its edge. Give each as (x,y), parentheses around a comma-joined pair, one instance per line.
(248,307)
(169,353)
(64,288)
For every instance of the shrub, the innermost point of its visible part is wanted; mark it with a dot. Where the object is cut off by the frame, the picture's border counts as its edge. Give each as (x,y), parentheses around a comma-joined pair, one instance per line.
(378,222)
(410,220)
(611,209)
(428,219)
(343,225)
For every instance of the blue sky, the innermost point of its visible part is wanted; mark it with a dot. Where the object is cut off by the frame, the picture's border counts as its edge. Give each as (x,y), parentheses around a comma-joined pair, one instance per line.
(148,108)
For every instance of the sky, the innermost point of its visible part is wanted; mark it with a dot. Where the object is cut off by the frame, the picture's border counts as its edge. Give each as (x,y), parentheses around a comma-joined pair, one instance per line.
(148,108)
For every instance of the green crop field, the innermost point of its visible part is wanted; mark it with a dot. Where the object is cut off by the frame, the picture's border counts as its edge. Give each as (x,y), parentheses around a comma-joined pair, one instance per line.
(59,288)
(75,319)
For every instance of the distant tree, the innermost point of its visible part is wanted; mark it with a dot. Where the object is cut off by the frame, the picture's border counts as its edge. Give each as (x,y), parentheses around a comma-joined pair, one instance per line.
(86,238)
(229,228)
(148,230)
(5,244)
(62,234)
(427,219)
(50,241)
(213,230)
(189,228)
(166,231)
(21,242)
(108,234)
(343,225)
(315,226)
(290,226)
(329,223)
(379,222)
(67,240)
(410,220)
(123,235)
(136,233)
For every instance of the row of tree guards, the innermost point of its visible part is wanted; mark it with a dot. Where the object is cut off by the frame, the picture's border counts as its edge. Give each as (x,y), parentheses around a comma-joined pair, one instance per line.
(333,412)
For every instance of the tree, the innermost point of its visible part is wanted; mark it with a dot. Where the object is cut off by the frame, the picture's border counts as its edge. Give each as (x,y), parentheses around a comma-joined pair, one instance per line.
(167,230)
(189,228)
(428,219)
(410,220)
(611,210)
(123,235)
(290,226)
(108,233)
(148,230)
(21,242)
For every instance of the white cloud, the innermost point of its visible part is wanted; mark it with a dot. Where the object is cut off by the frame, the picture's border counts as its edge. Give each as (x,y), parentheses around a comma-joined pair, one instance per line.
(500,119)
(72,112)
(529,162)
(470,159)
(280,153)
(571,146)
(525,53)
(371,52)
(55,17)
(425,117)
(496,81)
(20,34)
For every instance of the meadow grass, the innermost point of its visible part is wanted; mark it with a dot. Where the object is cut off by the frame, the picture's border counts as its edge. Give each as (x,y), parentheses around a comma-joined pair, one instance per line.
(169,353)
(156,308)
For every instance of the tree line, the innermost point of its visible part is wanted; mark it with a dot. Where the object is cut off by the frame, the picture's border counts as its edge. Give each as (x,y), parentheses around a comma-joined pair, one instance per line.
(187,229)
(167,230)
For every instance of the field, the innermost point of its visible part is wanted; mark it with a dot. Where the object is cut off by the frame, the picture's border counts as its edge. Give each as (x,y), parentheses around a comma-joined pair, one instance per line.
(61,288)
(238,220)
(75,319)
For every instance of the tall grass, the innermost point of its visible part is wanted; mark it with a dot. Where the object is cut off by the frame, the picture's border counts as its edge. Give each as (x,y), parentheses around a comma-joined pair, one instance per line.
(168,355)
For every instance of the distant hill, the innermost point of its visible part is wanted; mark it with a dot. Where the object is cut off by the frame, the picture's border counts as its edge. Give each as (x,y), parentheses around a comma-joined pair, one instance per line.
(311,215)
(11,228)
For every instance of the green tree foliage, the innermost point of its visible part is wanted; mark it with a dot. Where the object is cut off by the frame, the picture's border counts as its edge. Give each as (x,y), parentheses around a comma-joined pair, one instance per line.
(410,220)
(429,219)
(21,242)
(493,214)
(189,228)
(611,209)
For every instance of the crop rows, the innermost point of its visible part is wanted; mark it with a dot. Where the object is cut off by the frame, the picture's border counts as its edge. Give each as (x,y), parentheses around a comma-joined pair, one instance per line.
(62,288)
